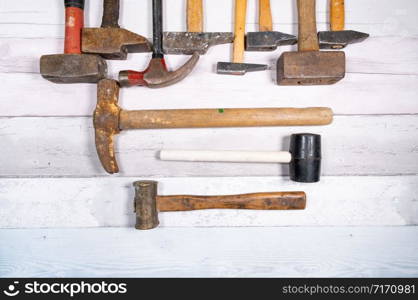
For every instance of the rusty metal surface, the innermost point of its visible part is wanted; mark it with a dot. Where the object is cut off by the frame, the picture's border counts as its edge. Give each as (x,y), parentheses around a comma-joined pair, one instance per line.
(310,68)
(113,43)
(145,204)
(106,123)
(268,40)
(157,75)
(73,68)
(340,39)
(188,43)
(229,68)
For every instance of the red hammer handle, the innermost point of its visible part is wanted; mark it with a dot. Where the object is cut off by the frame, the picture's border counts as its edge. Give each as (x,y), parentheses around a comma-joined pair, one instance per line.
(74,22)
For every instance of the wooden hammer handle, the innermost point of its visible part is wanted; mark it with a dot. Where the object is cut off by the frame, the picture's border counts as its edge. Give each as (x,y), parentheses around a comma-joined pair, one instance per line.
(229,117)
(260,201)
(239,39)
(307,39)
(110,17)
(265,17)
(337,15)
(195,15)
(74,22)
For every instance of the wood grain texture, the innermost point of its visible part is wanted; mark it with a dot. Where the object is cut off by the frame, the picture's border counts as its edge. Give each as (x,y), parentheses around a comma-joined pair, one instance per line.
(265,18)
(109,202)
(364,145)
(337,15)
(240,252)
(239,30)
(307,33)
(195,15)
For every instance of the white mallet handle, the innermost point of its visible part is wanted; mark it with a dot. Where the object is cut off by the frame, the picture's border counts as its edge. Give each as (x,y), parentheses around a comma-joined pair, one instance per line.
(227,156)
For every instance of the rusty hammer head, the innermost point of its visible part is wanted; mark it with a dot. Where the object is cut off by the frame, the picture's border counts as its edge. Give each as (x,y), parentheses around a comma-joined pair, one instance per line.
(268,40)
(111,41)
(309,66)
(194,42)
(73,67)
(146,209)
(340,39)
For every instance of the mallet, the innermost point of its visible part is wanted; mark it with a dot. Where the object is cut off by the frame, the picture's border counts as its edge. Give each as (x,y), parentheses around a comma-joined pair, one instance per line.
(237,66)
(109,119)
(304,157)
(266,39)
(72,66)
(339,38)
(309,66)
(194,40)
(157,74)
(111,41)
(148,203)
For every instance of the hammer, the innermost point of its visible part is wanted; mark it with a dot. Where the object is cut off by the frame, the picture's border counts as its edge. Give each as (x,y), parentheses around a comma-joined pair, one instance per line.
(109,119)
(304,157)
(309,66)
(111,41)
(157,75)
(237,66)
(267,39)
(194,40)
(72,66)
(339,38)
(148,203)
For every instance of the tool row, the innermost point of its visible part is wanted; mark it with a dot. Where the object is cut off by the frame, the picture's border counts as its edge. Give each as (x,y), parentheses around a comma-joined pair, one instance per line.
(86,48)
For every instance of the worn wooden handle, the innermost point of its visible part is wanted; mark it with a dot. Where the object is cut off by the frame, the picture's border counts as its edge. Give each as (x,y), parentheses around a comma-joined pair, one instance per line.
(110,17)
(260,201)
(229,117)
(239,40)
(337,15)
(74,22)
(265,17)
(307,39)
(195,15)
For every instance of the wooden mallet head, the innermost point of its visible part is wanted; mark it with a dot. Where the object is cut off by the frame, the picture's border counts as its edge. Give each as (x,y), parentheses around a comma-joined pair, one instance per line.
(309,66)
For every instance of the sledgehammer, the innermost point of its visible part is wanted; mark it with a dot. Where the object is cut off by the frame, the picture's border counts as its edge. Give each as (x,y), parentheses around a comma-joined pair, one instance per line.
(73,67)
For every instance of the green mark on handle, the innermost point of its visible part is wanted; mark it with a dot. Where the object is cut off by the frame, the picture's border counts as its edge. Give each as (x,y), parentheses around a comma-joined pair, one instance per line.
(221,110)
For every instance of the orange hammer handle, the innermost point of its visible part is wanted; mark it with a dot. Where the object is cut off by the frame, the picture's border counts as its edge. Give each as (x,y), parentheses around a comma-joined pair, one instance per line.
(337,15)
(74,22)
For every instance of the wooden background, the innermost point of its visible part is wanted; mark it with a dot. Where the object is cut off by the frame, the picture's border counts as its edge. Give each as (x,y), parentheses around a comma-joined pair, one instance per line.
(61,215)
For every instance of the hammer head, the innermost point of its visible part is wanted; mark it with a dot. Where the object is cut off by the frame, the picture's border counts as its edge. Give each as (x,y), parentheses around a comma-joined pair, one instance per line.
(229,68)
(113,43)
(146,204)
(268,40)
(73,68)
(340,39)
(157,74)
(305,165)
(106,123)
(310,67)
(190,42)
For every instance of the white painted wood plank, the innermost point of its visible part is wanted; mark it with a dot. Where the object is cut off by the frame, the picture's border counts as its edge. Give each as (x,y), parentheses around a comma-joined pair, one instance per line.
(377,55)
(364,145)
(239,252)
(108,202)
(378,17)
(30,95)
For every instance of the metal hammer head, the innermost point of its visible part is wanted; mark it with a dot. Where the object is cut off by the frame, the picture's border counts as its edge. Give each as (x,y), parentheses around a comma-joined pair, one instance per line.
(305,165)
(229,68)
(106,123)
(113,43)
(146,204)
(268,40)
(340,39)
(188,43)
(73,68)
(310,67)
(157,75)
